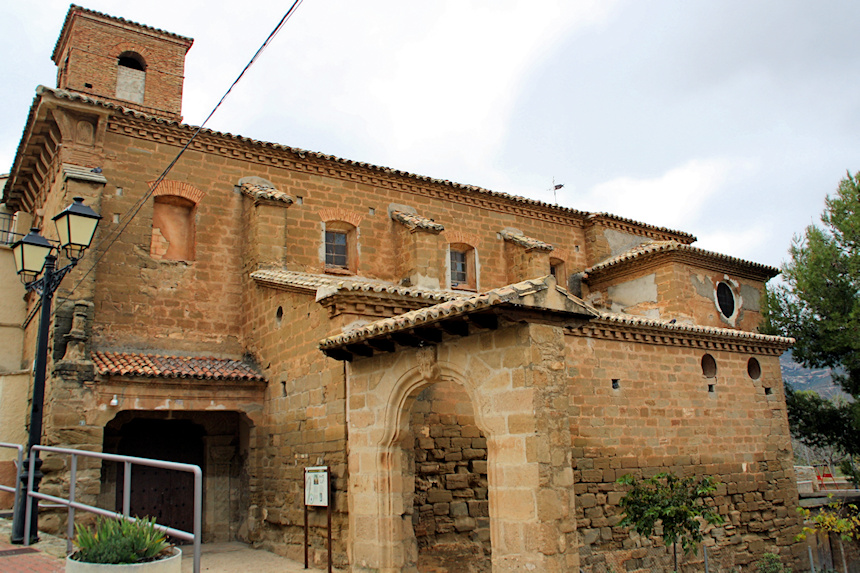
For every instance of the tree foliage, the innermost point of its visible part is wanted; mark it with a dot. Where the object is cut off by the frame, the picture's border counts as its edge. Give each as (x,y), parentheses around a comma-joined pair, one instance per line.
(819,306)
(678,504)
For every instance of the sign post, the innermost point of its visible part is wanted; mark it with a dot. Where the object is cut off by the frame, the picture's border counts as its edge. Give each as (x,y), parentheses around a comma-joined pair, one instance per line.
(317,493)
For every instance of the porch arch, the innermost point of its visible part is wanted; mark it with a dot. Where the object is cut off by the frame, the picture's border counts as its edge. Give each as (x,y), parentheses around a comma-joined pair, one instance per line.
(381,391)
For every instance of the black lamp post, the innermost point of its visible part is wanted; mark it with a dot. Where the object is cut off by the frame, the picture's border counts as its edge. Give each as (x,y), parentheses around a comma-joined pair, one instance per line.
(34,255)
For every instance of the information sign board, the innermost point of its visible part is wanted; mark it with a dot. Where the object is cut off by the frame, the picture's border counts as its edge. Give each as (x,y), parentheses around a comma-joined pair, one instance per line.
(316,486)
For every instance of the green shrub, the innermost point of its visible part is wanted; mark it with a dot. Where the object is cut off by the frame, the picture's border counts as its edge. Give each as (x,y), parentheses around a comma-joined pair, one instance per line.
(769,563)
(118,541)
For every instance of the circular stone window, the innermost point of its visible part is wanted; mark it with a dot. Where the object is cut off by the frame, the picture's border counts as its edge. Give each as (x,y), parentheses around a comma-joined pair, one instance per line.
(709,366)
(754,369)
(725,299)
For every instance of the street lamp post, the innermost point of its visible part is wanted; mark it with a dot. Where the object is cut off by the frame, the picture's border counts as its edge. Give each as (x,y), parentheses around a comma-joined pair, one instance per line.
(34,256)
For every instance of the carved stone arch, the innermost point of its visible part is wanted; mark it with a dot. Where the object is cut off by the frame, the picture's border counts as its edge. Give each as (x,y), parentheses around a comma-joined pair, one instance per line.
(513,391)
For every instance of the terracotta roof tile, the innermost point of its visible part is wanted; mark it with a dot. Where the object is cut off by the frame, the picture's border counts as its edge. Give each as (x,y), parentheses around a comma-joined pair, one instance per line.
(511,294)
(328,285)
(413,221)
(669,246)
(633,320)
(524,241)
(261,192)
(155,366)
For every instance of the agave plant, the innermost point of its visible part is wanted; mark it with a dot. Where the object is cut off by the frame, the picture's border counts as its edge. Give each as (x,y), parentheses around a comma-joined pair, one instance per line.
(118,541)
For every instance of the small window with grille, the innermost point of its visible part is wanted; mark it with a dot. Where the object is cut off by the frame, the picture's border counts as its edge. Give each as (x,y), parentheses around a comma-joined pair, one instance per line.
(336,249)
(458,268)
(462,270)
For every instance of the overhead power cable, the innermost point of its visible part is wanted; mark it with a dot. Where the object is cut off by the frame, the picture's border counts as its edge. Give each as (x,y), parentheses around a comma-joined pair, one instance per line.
(129,216)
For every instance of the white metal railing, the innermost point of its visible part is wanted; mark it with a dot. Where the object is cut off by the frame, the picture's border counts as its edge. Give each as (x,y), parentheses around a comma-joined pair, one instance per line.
(14,488)
(128,461)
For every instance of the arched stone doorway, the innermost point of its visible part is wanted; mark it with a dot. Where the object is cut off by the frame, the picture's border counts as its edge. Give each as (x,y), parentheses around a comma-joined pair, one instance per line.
(517,397)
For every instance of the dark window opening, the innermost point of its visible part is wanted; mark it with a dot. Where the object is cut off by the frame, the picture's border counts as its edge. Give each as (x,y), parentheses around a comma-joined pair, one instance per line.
(336,251)
(725,299)
(133,61)
(709,366)
(754,369)
(712,388)
(768,391)
(616,383)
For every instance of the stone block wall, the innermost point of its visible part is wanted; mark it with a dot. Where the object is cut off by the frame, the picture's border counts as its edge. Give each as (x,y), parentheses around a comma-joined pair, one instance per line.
(450,506)
(644,409)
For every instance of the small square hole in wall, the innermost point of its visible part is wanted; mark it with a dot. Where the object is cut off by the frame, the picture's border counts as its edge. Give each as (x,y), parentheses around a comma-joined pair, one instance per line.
(372,211)
(712,388)
(300,200)
(616,384)
(89,86)
(118,192)
(115,218)
(576,248)
(283,388)
(768,391)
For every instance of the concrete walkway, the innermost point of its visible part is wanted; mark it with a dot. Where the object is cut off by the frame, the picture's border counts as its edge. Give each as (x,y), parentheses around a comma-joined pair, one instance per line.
(48,556)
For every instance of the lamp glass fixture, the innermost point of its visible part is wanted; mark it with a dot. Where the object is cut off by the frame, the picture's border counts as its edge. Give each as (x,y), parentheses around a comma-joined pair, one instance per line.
(30,254)
(76,226)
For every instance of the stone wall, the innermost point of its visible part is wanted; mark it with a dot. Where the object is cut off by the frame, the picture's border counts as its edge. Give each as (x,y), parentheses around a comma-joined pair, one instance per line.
(450,505)
(643,409)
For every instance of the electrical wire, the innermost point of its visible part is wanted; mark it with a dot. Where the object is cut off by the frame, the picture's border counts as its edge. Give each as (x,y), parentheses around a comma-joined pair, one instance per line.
(129,216)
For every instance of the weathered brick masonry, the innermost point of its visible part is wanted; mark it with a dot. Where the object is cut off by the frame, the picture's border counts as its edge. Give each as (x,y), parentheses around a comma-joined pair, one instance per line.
(270,308)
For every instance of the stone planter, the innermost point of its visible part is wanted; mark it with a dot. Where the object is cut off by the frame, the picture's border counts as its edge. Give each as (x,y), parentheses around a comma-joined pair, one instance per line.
(172,564)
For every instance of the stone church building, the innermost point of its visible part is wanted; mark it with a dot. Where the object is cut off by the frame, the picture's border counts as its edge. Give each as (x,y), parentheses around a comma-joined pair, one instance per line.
(476,368)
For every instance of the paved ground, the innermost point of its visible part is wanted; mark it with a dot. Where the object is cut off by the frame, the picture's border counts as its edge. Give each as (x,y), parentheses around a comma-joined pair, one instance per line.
(49,554)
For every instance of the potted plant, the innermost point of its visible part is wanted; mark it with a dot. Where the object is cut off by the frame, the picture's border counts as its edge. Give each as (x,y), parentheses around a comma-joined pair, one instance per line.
(120,546)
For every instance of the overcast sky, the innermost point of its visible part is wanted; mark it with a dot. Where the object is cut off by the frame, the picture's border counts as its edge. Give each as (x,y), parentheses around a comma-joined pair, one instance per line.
(729,119)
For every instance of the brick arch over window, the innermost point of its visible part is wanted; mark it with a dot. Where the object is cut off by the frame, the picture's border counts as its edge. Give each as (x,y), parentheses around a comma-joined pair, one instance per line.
(173,214)
(339,251)
(178,189)
(131,66)
(462,260)
(338,214)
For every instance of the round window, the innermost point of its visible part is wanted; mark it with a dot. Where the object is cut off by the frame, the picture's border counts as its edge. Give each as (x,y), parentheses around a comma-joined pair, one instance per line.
(725,299)
(754,369)
(709,366)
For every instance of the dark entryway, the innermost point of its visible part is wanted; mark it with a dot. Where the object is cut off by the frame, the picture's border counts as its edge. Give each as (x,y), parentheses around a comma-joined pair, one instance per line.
(215,441)
(166,495)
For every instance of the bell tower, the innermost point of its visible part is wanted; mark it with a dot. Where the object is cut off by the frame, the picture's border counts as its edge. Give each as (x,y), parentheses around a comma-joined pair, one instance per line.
(119,61)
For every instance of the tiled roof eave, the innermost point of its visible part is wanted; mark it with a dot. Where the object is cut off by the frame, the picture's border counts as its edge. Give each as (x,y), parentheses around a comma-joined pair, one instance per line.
(302,153)
(326,286)
(511,297)
(685,252)
(666,328)
(140,365)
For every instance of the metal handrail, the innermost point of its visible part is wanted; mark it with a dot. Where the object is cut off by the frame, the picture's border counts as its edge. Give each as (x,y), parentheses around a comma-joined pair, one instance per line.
(19,464)
(195,537)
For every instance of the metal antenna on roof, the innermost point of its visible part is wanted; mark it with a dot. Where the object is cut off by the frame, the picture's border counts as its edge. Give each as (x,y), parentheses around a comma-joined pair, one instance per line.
(555,188)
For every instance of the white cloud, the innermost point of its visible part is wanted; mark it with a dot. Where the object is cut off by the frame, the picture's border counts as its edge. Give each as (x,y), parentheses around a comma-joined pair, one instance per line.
(675,199)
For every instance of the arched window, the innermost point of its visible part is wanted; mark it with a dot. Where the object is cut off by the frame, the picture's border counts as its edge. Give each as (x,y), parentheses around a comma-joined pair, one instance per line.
(172,228)
(558,271)
(130,77)
(340,247)
(461,266)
